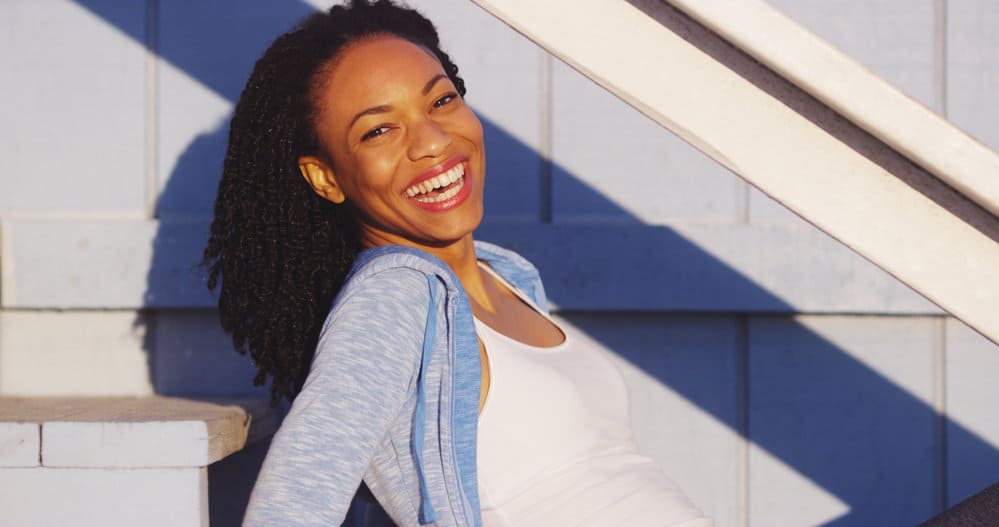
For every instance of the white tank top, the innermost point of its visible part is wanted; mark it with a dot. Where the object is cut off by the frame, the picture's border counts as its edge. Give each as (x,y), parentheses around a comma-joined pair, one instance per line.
(554,441)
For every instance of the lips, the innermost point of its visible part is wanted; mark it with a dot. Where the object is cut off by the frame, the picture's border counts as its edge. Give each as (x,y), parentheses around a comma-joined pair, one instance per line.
(441,189)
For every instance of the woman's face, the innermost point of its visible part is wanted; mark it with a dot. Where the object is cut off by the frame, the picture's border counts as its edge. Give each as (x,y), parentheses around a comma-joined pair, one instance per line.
(400,145)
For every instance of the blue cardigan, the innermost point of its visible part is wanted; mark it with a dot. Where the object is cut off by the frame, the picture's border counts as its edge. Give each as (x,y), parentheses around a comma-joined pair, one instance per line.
(392,397)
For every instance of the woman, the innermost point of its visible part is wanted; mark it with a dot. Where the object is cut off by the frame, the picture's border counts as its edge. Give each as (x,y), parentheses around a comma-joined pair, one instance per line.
(355,170)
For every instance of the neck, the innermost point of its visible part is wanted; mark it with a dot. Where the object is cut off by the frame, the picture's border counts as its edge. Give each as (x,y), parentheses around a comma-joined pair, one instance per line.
(461,259)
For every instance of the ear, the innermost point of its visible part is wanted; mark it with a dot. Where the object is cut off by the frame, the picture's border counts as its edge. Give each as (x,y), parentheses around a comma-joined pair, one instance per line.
(320,177)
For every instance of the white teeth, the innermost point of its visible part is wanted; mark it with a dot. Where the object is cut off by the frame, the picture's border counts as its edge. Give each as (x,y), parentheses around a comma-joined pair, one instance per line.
(447,194)
(448,178)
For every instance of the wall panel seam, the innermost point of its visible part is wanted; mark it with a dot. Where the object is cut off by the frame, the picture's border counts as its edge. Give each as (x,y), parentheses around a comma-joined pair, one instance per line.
(940,52)
(151,106)
(940,407)
(545,194)
(742,418)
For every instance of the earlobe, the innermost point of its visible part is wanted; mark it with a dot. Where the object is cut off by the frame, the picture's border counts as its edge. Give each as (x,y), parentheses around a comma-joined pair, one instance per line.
(320,177)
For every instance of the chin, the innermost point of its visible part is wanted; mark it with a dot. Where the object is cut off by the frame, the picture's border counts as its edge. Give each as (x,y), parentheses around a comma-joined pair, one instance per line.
(455,234)
(455,230)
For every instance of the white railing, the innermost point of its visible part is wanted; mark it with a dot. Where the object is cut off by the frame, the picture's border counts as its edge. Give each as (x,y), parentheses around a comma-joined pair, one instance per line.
(802,122)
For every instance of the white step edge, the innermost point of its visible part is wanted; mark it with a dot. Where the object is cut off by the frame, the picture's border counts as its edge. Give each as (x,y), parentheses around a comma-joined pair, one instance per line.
(129,432)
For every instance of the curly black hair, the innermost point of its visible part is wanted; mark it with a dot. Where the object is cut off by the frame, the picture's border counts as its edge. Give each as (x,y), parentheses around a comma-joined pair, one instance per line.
(277,251)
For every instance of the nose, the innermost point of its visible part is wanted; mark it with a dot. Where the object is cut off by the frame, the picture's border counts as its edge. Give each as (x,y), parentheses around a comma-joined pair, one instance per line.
(427,139)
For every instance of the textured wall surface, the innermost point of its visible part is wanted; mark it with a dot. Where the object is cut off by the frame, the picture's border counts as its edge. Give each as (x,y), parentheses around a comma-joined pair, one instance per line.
(777,377)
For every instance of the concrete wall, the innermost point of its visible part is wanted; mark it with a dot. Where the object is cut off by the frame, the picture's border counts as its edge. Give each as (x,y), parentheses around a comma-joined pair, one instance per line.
(777,377)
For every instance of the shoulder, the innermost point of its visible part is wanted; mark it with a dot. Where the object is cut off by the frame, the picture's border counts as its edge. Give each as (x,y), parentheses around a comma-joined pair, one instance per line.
(391,272)
(378,260)
(375,329)
(382,297)
(389,286)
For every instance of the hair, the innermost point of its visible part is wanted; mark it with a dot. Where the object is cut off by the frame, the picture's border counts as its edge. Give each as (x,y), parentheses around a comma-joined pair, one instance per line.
(278,252)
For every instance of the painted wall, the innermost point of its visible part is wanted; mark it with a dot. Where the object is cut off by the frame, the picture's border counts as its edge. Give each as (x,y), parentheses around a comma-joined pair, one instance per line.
(777,377)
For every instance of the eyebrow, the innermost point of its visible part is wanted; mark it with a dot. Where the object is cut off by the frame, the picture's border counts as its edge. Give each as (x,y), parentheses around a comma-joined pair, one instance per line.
(386,108)
(370,111)
(433,81)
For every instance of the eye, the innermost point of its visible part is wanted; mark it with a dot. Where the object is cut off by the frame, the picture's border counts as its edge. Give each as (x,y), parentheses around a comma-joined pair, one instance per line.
(374,132)
(445,100)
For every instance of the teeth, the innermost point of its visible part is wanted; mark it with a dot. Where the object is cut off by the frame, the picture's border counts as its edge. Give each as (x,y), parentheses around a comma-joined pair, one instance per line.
(447,194)
(442,180)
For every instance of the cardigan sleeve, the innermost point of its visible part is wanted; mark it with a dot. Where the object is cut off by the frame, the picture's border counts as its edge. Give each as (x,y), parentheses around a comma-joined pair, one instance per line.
(364,370)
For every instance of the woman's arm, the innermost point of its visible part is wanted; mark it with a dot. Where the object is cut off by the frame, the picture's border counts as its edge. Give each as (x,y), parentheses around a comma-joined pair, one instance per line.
(364,370)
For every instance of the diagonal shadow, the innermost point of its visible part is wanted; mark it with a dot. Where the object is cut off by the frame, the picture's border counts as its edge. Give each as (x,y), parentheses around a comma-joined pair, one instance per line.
(830,447)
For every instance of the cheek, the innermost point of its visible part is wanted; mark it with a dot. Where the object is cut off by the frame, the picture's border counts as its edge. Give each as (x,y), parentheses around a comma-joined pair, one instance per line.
(374,173)
(472,127)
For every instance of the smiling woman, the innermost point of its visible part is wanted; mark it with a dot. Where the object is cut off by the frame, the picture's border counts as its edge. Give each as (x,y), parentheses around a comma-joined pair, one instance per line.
(342,247)
(399,144)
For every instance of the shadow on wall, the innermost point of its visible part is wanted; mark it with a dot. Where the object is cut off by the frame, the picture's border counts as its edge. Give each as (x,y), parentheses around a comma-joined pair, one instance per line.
(834,449)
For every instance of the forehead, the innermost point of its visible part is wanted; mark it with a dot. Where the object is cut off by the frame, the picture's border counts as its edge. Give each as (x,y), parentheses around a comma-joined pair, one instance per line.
(374,70)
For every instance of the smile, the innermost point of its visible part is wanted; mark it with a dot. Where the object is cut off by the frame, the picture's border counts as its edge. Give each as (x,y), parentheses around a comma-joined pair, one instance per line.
(443,191)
